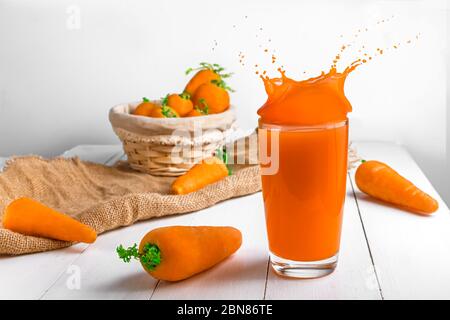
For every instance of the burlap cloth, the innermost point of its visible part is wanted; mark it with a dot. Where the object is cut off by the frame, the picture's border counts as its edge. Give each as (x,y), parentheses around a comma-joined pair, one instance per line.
(104,198)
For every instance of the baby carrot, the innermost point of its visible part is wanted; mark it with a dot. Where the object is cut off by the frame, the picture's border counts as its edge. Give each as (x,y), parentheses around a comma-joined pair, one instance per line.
(197,112)
(382,182)
(181,103)
(29,217)
(144,108)
(208,171)
(179,252)
(207,72)
(214,95)
(163,112)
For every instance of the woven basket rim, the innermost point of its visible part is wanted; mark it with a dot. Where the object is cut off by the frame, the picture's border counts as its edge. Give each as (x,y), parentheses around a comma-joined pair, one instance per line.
(120,117)
(134,104)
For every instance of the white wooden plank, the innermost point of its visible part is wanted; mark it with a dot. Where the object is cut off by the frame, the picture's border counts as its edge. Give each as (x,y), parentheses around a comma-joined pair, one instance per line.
(411,252)
(103,274)
(107,154)
(353,278)
(243,275)
(29,276)
(2,163)
(95,153)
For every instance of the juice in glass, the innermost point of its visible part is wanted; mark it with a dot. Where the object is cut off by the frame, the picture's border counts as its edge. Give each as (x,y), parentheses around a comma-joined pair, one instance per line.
(303,129)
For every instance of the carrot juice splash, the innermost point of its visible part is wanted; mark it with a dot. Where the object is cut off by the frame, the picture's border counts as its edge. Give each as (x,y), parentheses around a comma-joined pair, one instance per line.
(304,198)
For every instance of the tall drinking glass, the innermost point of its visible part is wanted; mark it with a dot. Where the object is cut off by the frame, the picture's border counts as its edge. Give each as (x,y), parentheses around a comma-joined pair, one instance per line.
(303,171)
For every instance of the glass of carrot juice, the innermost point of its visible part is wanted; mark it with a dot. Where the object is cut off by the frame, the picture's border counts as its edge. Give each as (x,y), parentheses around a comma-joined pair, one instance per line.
(303,172)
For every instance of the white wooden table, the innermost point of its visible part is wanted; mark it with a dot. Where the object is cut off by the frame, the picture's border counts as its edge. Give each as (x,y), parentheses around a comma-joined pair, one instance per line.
(386,253)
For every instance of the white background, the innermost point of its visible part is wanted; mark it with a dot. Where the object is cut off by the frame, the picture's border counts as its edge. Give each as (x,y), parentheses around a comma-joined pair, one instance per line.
(63,64)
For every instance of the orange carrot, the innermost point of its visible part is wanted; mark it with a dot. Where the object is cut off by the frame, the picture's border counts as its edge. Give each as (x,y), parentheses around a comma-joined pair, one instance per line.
(181,103)
(212,95)
(201,77)
(208,171)
(164,112)
(207,73)
(382,182)
(144,108)
(29,217)
(197,112)
(179,252)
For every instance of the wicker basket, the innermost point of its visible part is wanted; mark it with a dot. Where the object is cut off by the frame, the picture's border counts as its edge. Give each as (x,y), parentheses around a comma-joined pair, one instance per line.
(169,146)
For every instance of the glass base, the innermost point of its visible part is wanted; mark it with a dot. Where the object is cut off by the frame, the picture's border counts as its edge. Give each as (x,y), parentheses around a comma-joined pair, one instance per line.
(303,269)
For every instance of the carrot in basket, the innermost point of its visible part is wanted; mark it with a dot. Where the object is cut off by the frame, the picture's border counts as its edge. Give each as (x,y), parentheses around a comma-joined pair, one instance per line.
(382,182)
(201,110)
(207,73)
(181,103)
(29,217)
(197,112)
(208,171)
(164,112)
(214,95)
(144,108)
(179,252)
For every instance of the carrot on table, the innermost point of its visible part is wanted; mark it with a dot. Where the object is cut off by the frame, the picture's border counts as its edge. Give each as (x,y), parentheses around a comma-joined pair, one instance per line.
(30,217)
(179,252)
(208,171)
(382,182)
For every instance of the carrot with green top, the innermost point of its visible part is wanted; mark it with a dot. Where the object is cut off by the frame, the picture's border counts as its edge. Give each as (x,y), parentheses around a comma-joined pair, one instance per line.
(30,217)
(213,94)
(181,103)
(179,252)
(164,111)
(145,108)
(382,182)
(206,73)
(197,112)
(209,170)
